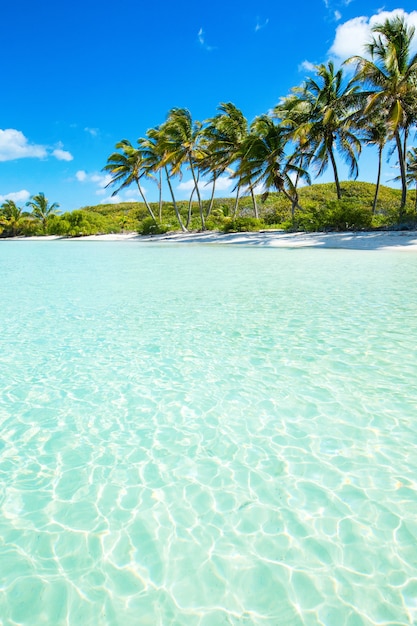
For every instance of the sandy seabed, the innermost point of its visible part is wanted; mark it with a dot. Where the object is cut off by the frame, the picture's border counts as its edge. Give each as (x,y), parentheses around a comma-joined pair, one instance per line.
(372,240)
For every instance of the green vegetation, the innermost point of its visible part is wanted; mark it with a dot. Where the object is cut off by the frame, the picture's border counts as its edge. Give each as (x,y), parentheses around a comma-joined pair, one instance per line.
(319,211)
(325,116)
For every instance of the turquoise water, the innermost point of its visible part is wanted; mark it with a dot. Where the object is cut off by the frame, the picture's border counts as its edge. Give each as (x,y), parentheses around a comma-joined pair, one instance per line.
(207,436)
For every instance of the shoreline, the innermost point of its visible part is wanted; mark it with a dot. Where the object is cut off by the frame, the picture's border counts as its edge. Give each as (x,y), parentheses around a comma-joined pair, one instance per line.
(369,240)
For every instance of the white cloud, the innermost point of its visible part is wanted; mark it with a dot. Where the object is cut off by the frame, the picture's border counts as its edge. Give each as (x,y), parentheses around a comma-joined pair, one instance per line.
(260,25)
(188,185)
(351,36)
(132,195)
(92,131)
(111,200)
(127,196)
(306,66)
(337,15)
(62,155)
(81,175)
(14,145)
(17,196)
(101,180)
(223,183)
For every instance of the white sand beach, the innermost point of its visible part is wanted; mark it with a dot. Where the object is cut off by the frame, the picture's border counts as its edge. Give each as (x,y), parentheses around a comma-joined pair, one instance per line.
(373,240)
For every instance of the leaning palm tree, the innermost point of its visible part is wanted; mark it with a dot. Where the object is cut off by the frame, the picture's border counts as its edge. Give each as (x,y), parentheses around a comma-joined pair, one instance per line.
(263,161)
(208,162)
(374,133)
(324,106)
(151,162)
(126,167)
(41,209)
(293,119)
(154,150)
(226,132)
(181,147)
(390,79)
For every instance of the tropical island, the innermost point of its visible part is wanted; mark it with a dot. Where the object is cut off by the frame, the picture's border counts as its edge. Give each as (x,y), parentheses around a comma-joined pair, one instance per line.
(369,101)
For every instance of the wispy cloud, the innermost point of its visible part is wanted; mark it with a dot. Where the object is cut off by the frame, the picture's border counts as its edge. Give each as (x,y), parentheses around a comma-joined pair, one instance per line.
(202,41)
(100,182)
(91,131)
(306,66)
(17,196)
(261,24)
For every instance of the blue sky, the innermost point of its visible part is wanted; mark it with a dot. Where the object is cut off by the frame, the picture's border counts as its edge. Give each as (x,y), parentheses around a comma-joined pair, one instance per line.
(78,77)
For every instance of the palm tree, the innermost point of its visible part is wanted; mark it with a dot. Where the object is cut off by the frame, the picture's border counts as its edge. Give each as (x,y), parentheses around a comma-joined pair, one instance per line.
(208,162)
(391,76)
(374,133)
(154,151)
(151,162)
(324,107)
(226,132)
(10,217)
(181,147)
(263,160)
(41,209)
(412,170)
(126,166)
(293,120)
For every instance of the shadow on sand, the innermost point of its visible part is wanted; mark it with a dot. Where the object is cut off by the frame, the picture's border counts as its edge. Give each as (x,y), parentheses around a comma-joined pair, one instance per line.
(372,240)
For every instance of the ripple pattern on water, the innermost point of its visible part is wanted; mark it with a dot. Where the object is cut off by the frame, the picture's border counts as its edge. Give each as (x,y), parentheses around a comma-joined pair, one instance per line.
(207,436)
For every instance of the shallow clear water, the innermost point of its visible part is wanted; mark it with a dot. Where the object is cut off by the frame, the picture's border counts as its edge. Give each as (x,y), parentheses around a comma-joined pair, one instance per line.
(206,436)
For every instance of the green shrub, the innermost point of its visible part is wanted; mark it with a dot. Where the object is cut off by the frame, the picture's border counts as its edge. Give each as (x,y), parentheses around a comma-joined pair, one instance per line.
(216,220)
(30,227)
(58,225)
(347,215)
(242,224)
(148,227)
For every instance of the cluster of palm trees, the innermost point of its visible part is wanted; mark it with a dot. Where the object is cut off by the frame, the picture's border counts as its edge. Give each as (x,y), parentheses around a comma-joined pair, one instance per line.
(12,217)
(326,116)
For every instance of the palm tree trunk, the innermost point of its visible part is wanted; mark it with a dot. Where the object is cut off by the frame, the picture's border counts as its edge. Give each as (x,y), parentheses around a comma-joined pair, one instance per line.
(177,213)
(190,208)
(378,179)
(402,172)
(255,206)
(145,201)
(236,201)
(210,206)
(336,176)
(415,205)
(160,195)
(200,204)
(294,203)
